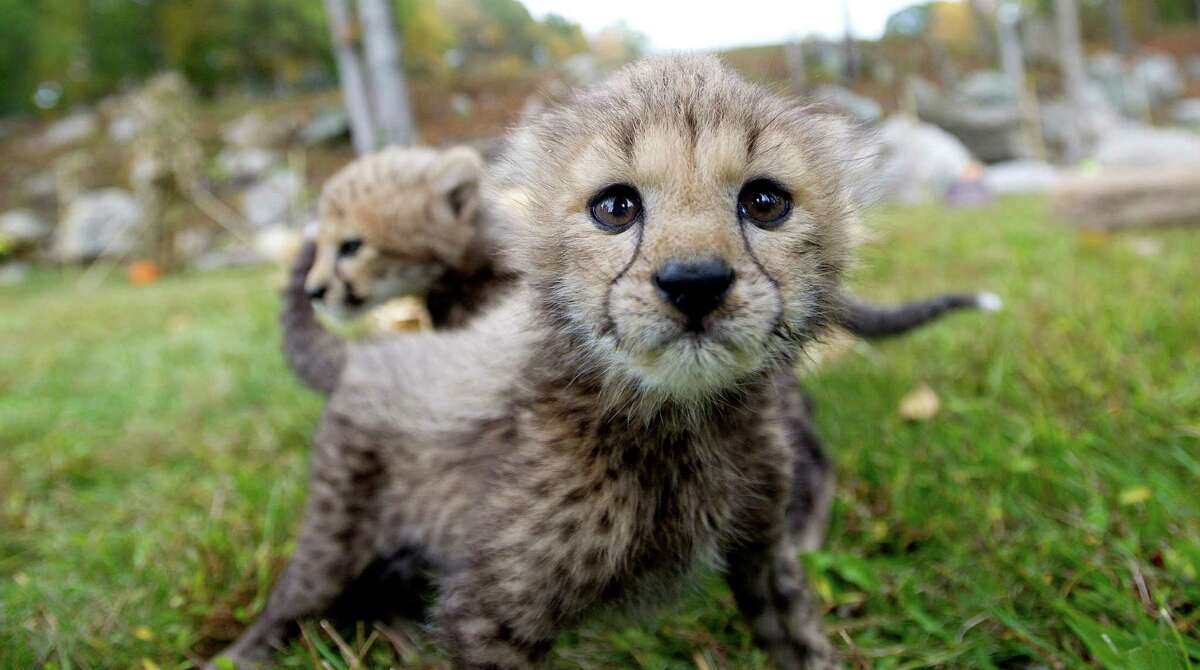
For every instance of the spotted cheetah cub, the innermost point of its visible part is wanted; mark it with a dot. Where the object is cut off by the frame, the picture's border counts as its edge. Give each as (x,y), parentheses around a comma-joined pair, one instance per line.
(406,221)
(621,418)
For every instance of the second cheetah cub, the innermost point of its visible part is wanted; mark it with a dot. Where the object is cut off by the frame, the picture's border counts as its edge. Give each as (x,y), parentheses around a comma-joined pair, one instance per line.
(622,418)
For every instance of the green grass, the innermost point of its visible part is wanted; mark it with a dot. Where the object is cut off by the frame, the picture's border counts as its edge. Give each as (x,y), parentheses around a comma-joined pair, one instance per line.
(153,458)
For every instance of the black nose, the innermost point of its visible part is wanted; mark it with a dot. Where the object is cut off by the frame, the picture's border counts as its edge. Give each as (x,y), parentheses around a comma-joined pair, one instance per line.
(694,287)
(317,293)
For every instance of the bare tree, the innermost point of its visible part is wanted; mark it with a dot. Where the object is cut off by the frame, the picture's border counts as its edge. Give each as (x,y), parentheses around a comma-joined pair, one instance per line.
(793,53)
(354,86)
(1008,16)
(1118,29)
(388,86)
(1070,56)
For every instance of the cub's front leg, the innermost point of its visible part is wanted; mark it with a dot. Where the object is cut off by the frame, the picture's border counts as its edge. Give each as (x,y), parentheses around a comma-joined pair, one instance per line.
(490,622)
(334,543)
(773,594)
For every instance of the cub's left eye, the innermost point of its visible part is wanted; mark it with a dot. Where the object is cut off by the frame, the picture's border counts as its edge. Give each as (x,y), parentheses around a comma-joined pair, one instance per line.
(764,203)
(349,247)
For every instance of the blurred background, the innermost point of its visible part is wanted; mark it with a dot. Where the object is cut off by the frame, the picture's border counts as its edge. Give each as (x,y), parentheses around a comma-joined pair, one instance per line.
(1016,490)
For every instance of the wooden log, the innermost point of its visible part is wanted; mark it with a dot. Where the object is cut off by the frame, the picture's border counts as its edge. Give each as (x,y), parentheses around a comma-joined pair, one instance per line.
(1130,199)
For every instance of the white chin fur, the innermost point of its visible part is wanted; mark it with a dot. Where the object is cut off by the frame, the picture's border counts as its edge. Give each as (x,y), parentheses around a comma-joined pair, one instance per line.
(989,302)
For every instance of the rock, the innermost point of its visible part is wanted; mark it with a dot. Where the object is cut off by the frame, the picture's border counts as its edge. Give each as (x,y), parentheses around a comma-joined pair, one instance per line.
(276,243)
(987,87)
(462,104)
(1160,77)
(1059,119)
(329,125)
(23,226)
(123,128)
(1027,176)
(245,163)
(73,129)
(1187,113)
(1191,66)
(919,161)
(272,200)
(256,130)
(859,107)
(40,186)
(99,223)
(1136,145)
(582,69)
(12,274)
(983,113)
(193,242)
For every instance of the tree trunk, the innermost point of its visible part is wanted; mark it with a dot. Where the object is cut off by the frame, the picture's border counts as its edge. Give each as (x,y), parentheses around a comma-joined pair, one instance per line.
(354,85)
(984,36)
(793,53)
(1070,56)
(390,90)
(1008,15)
(1118,29)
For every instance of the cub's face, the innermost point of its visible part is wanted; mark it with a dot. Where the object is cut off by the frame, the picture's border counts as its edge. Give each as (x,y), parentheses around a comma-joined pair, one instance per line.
(689,229)
(393,224)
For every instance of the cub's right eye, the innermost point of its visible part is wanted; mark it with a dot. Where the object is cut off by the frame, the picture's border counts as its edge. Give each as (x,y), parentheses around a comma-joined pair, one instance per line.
(616,208)
(349,247)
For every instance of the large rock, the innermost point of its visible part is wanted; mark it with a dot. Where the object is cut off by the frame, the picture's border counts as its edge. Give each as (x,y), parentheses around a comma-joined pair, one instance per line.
(100,223)
(1136,145)
(246,163)
(1021,177)
(919,161)
(858,107)
(1060,119)
(274,200)
(1186,113)
(329,125)
(24,227)
(71,130)
(983,113)
(256,130)
(1160,77)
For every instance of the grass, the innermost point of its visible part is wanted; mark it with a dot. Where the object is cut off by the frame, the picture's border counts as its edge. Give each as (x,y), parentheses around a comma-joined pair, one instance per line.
(153,459)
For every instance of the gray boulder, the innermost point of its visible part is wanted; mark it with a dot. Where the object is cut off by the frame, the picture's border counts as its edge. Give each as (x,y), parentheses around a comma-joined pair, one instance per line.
(858,107)
(1186,113)
(919,161)
(23,226)
(100,223)
(73,129)
(273,200)
(245,163)
(1160,77)
(982,113)
(987,87)
(329,125)
(1028,176)
(1135,145)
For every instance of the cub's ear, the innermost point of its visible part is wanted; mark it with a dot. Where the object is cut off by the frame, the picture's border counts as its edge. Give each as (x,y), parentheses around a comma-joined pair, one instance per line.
(456,177)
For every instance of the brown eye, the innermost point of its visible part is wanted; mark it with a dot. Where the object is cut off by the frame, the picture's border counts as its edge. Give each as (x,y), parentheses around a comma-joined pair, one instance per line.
(764,203)
(615,208)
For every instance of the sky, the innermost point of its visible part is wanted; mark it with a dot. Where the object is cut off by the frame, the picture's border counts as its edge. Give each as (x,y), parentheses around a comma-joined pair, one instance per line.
(705,25)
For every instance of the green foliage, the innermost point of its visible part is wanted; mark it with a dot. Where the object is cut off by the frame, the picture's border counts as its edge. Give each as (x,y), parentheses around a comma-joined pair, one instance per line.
(90,48)
(155,447)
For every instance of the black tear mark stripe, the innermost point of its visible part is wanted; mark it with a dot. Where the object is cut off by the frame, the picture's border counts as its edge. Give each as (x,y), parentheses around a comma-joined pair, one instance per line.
(778,320)
(610,325)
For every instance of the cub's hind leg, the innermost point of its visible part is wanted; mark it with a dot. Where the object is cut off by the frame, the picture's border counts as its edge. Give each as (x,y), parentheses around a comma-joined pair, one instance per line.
(335,541)
(813,478)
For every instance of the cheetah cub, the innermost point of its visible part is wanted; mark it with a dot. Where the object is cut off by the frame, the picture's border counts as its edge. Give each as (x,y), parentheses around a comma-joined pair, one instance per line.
(622,417)
(406,221)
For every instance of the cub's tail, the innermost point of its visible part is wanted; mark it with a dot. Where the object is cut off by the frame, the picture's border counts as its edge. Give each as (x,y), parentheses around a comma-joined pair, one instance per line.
(871,321)
(316,355)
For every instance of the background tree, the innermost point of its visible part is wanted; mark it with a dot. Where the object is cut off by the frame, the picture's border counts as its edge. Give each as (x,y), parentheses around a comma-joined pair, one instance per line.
(389,89)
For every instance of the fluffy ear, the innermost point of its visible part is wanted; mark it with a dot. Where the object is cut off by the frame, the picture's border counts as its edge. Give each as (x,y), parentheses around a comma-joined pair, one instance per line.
(456,177)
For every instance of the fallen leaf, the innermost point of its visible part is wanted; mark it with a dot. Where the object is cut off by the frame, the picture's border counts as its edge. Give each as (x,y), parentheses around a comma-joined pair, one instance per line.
(1134,496)
(920,404)
(144,634)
